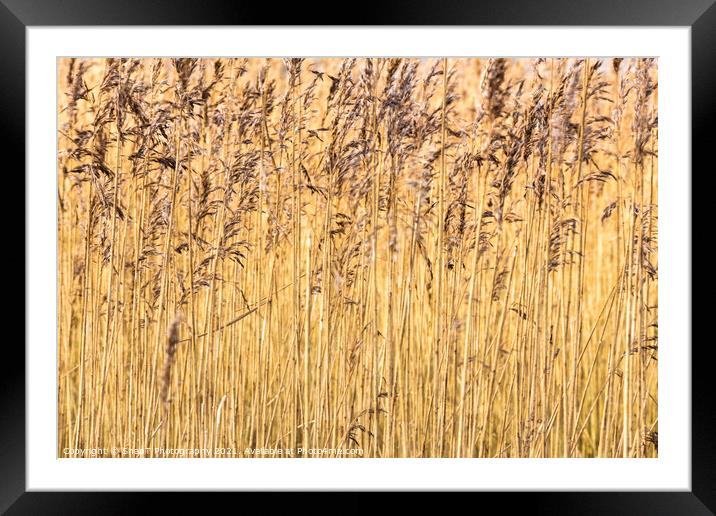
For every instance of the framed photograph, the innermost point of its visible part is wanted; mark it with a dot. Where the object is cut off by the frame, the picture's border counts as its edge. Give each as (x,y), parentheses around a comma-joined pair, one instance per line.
(447,248)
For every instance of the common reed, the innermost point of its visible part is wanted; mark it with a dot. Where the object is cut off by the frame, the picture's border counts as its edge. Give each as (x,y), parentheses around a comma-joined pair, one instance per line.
(410,257)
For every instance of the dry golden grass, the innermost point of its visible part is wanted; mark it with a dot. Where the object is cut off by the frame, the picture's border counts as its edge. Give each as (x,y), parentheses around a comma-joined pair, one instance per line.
(411,257)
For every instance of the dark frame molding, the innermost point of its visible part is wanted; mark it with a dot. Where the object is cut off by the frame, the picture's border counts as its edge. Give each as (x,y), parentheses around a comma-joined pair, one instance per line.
(700,15)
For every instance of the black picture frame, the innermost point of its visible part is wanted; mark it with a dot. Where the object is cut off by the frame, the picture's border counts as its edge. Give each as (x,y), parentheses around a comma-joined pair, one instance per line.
(700,15)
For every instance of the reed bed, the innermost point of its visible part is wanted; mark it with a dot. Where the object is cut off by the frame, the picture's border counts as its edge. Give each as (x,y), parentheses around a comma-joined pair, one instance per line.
(405,257)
